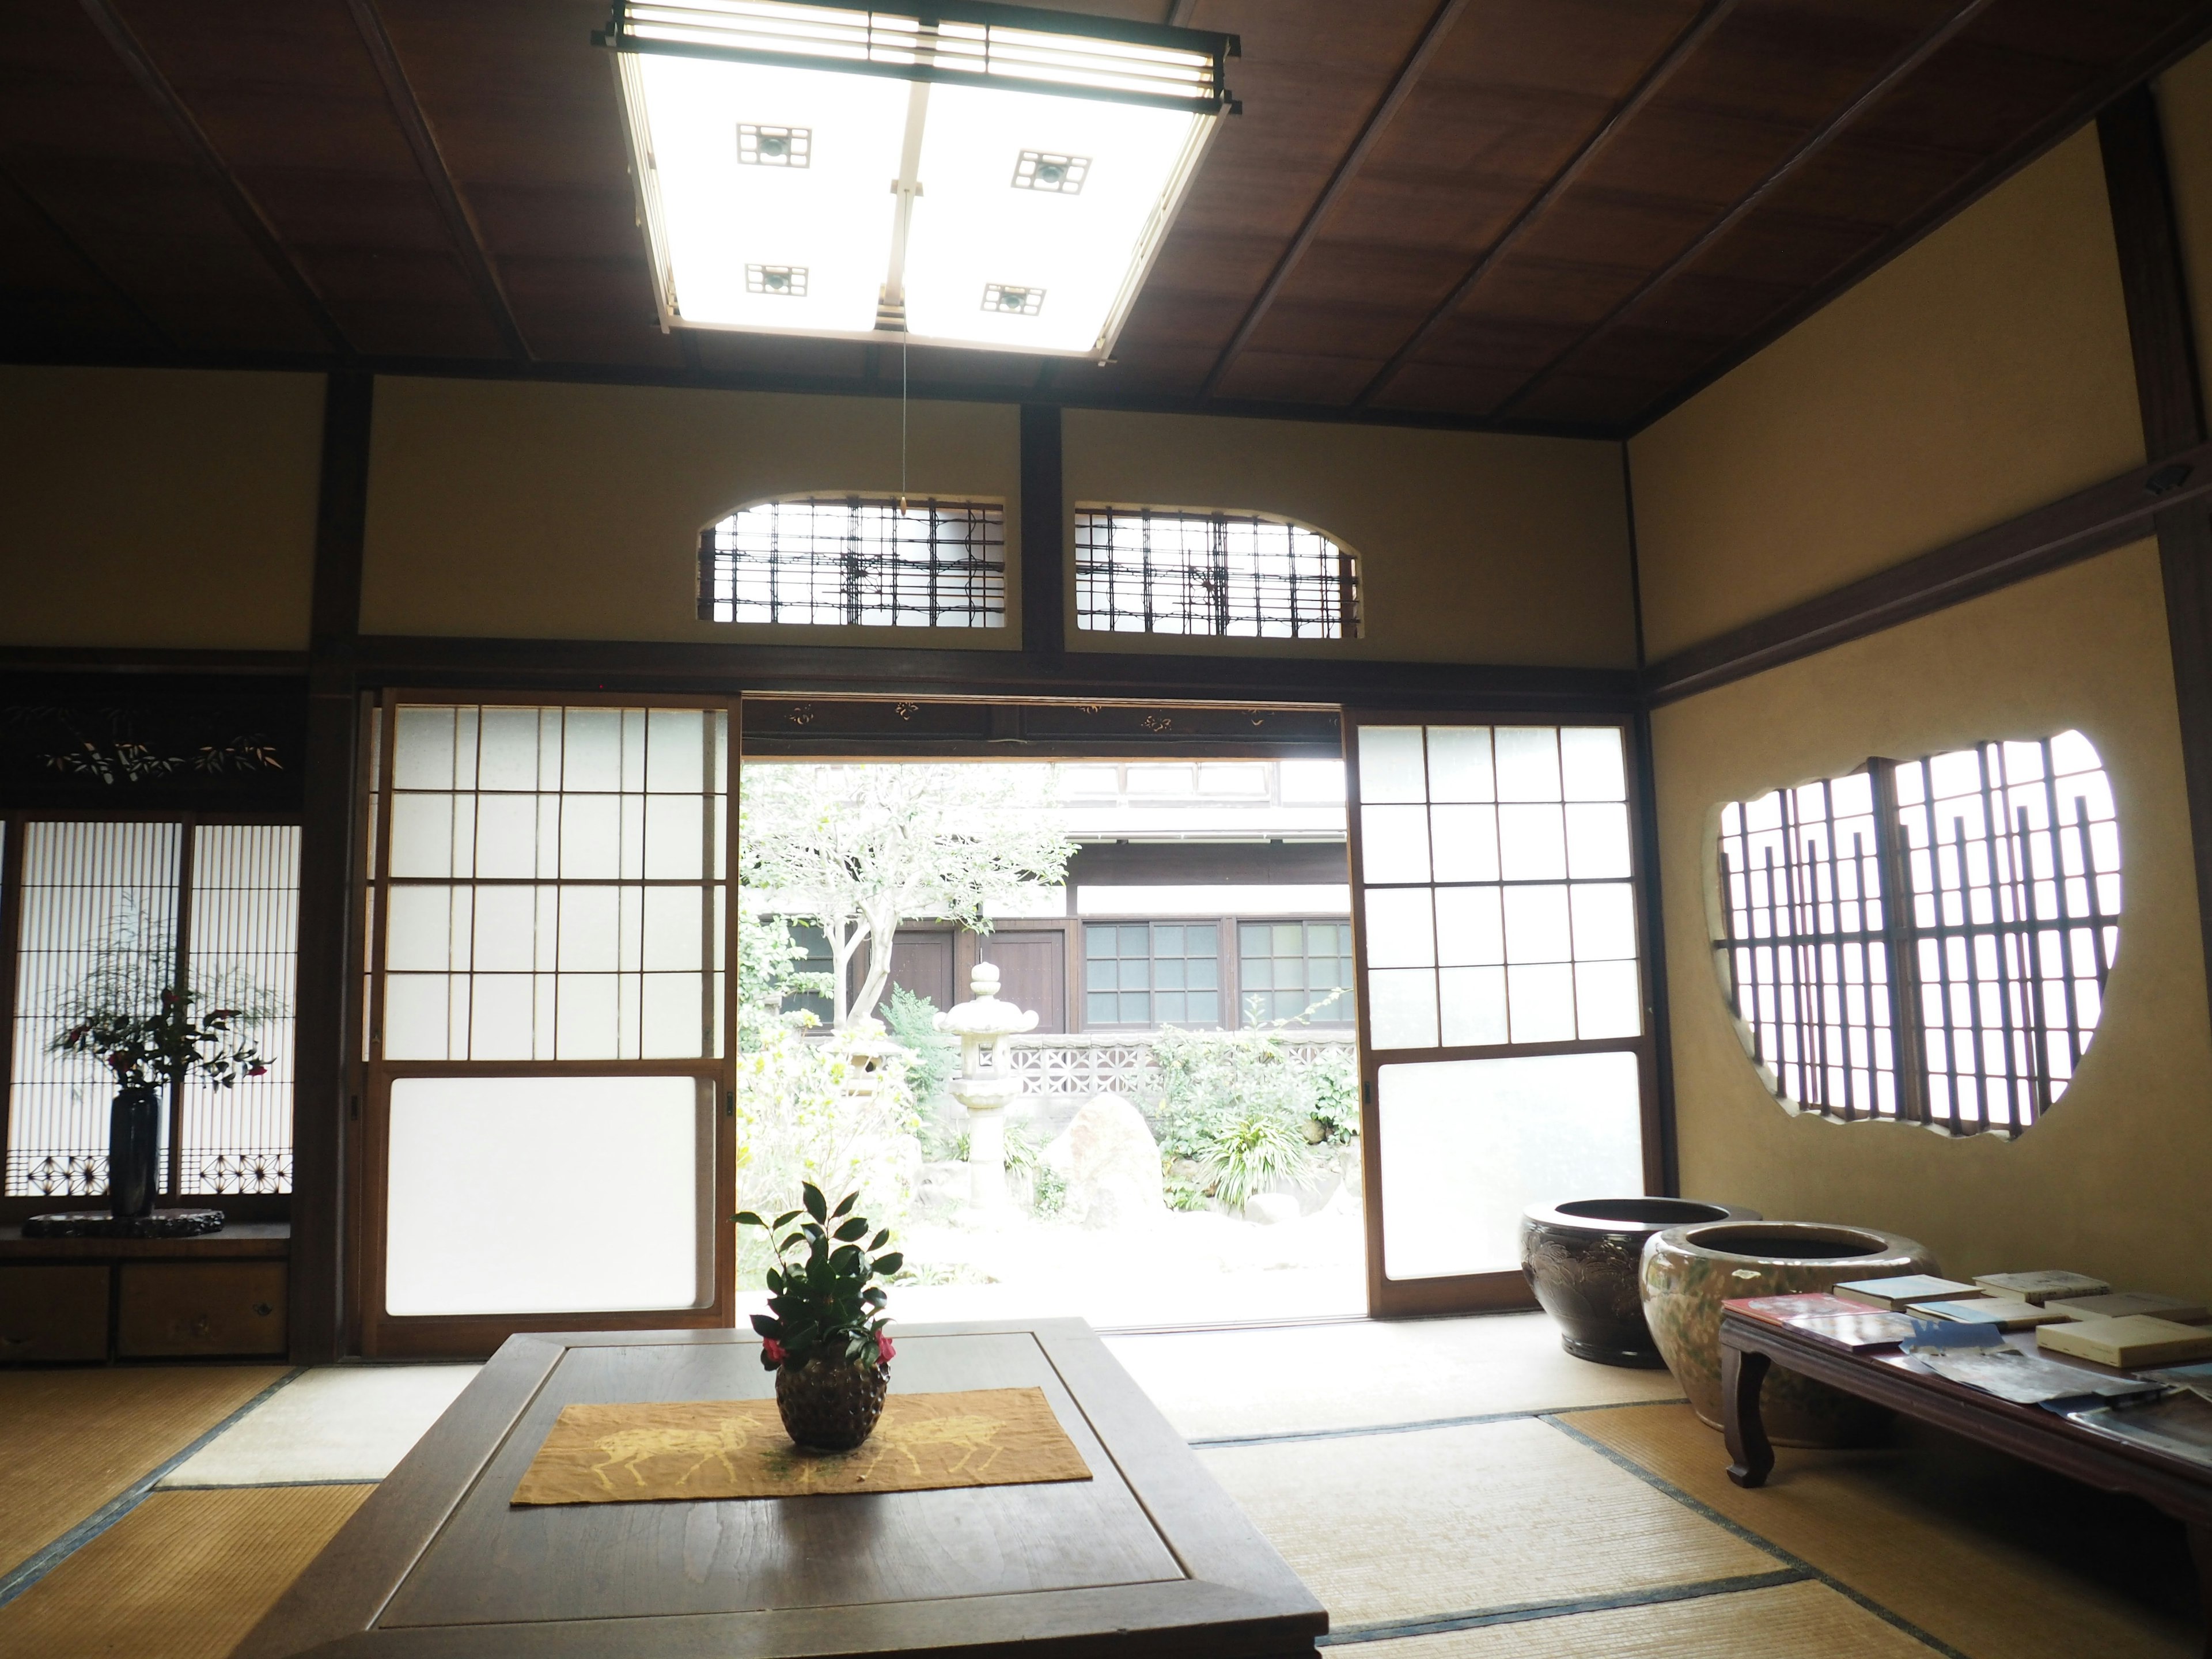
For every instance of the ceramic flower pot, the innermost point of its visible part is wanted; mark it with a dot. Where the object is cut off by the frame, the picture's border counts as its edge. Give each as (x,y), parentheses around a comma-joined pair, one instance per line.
(829,1404)
(1688,1272)
(1582,1259)
(134,1134)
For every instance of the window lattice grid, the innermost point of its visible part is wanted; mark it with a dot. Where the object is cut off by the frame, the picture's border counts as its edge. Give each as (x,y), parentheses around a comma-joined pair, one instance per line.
(1805,951)
(107,897)
(1928,939)
(1146,570)
(556,885)
(1155,973)
(1499,896)
(856,562)
(2014,854)
(1294,971)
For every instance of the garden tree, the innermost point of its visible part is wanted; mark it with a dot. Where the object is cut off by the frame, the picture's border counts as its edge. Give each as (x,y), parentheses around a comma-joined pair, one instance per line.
(862,848)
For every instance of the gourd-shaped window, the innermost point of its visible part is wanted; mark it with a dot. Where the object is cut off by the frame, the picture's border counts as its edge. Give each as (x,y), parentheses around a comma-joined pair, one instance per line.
(1924,940)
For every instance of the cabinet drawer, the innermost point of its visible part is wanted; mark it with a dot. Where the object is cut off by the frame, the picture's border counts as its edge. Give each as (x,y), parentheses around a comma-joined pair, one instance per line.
(52,1313)
(166,1308)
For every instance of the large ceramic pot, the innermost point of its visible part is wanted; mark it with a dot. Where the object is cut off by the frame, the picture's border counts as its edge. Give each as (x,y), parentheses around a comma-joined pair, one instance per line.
(829,1404)
(134,1131)
(1582,1259)
(1688,1272)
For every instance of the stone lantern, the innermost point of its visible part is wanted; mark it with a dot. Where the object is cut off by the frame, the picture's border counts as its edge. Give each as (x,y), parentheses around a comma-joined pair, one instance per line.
(985,1086)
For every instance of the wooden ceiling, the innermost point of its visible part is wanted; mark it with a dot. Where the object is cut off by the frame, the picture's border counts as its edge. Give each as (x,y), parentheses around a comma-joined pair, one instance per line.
(1558,215)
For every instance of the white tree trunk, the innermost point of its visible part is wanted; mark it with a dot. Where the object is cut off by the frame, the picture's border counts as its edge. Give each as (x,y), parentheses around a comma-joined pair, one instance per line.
(845,936)
(883,940)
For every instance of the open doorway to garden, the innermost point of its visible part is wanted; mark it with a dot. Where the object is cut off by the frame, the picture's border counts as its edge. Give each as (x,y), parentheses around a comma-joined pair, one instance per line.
(1179,1142)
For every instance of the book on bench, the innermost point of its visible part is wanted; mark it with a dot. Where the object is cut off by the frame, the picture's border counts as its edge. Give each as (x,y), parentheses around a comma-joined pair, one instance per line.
(2124,1344)
(2039,1287)
(1905,1289)
(2121,1305)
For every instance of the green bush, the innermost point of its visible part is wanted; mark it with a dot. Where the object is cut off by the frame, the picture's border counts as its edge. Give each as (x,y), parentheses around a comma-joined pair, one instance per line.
(1238,1114)
(931,1058)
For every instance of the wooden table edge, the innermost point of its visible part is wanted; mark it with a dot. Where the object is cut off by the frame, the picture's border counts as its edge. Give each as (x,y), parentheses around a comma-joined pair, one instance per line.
(333,1606)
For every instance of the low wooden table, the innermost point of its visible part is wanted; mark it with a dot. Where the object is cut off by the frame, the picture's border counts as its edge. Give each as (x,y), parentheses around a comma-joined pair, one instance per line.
(1752,1342)
(1148,1556)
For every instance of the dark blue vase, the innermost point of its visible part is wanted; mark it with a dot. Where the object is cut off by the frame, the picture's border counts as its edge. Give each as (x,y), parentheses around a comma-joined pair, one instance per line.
(134,1126)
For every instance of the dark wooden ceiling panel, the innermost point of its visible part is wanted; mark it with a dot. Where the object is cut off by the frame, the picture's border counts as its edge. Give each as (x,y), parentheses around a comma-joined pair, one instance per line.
(1558,214)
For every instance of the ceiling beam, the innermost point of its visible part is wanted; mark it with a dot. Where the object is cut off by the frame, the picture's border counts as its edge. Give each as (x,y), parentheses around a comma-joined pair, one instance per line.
(1387,107)
(460,224)
(1898,70)
(55,228)
(1686,44)
(2167,49)
(241,207)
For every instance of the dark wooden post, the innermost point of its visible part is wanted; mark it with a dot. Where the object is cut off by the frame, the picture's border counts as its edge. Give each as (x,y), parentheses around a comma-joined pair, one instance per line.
(1044,549)
(2169,392)
(329,944)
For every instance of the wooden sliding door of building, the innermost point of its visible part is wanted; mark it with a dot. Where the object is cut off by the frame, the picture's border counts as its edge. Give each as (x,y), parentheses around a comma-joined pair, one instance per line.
(544,1137)
(1506,1057)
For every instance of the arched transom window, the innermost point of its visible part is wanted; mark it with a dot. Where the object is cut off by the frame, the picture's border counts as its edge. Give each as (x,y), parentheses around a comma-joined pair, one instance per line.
(1177,570)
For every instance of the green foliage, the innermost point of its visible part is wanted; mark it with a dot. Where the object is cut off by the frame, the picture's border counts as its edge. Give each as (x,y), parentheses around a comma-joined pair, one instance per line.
(824,1109)
(128,1014)
(766,951)
(1238,1115)
(1250,1149)
(931,1058)
(820,1300)
(1051,1190)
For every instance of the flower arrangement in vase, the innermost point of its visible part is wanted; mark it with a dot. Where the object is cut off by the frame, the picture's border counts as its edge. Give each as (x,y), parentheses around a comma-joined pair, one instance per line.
(146,1053)
(823,1336)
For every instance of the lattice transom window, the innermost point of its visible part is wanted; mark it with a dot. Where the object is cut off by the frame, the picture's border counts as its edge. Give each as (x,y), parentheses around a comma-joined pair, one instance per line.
(856,562)
(114,913)
(1926,940)
(1165,570)
(554,887)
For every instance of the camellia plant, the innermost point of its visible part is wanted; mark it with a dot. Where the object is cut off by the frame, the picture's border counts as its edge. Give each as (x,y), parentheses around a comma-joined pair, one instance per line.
(146,1050)
(820,1302)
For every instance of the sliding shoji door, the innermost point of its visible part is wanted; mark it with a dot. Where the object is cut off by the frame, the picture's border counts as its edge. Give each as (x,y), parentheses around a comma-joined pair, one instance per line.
(548,1071)
(1506,1052)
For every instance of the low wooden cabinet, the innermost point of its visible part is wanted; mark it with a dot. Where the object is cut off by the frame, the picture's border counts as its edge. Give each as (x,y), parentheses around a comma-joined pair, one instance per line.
(177,1309)
(49,1314)
(86,1300)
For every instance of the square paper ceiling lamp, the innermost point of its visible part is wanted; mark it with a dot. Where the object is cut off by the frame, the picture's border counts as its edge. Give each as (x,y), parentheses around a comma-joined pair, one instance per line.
(961,174)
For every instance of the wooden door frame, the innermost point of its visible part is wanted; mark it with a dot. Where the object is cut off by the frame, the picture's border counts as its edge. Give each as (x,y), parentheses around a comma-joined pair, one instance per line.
(1485,1292)
(376,1334)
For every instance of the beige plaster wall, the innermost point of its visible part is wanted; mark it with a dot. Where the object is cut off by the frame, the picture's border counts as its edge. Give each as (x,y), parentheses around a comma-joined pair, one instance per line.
(1474,547)
(158,508)
(573,512)
(1982,372)
(2184,102)
(2113,1181)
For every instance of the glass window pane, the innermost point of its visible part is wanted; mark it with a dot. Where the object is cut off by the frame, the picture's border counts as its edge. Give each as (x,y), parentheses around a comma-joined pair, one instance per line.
(591,750)
(417,1017)
(506,931)
(1527,762)
(591,838)
(1467,1145)
(473,1163)
(1605,921)
(1531,843)
(502,1010)
(422,749)
(1394,843)
(1402,1007)
(506,836)
(1470,927)
(1590,761)
(1607,1004)
(1474,1001)
(1542,999)
(1536,924)
(508,756)
(1459,763)
(1597,840)
(1465,842)
(587,1024)
(1390,764)
(1400,928)
(424,836)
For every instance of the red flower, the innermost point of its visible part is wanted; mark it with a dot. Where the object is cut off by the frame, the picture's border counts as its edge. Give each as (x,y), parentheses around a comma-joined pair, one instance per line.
(255,1071)
(884,1349)
(774,1349)
(119,1060)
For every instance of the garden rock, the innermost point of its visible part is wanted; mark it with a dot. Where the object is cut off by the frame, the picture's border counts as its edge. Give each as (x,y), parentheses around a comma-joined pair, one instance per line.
(1112,1165)
(1272,1209)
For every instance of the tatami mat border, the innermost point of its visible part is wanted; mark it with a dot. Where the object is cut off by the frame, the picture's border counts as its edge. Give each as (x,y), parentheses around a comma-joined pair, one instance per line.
(1210,1442)
(1555,1419)
(44,1560)
(1518,1613)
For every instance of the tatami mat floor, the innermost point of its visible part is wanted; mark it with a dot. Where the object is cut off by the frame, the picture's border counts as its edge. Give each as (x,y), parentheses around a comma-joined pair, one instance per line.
(1451,1489)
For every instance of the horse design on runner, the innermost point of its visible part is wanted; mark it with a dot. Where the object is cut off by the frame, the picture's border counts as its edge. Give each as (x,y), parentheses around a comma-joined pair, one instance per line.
(627,1449)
